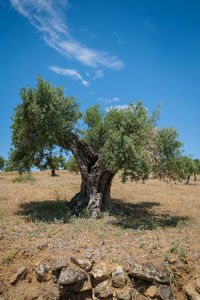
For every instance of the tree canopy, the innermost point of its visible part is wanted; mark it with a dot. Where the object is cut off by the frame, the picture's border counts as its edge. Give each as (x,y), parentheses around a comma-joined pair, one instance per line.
(2,162)
(128,140)
(52,161)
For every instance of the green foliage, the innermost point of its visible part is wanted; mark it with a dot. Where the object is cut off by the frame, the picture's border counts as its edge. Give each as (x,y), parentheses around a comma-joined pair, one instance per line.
(197,166)
(9,258)
(17,163)
(51,161)
(72,165)
(2,162)
(23,179)
(45,118)
(187,167)
(168,155)
(125,139)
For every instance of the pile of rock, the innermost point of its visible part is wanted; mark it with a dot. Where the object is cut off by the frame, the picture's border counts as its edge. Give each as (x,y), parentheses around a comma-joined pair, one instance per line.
(85,279)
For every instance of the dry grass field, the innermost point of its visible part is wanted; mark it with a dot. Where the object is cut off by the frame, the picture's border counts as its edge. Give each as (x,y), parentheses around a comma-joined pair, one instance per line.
(155,221)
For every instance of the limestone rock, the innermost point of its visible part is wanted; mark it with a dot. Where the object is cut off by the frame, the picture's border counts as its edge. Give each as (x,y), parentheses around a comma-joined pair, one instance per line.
(191,292)
(164,292)
(83,263)
(59,264)
(118,278)
(103,290)
(197,284)
(42,272)
(81,286)
(148,272)
(100,272)
(70,276)
(20,274)
(124,295)
(151,291)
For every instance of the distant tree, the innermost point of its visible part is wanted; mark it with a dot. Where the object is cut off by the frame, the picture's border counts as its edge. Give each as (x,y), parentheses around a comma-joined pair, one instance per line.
(168,155)
(51,161)
(125,140)
(72,165)
(197,168)
(187,167)
(17,163)
(2,162)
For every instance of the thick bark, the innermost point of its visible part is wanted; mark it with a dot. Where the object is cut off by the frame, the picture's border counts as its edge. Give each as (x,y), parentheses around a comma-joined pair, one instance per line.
(195,177)
(53,172)
(188,179)
(96,180)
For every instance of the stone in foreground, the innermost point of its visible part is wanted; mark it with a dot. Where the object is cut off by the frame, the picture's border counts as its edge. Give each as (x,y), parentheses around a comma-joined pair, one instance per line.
(148,272)
(165,292)
(103,290)
(70,276)
(118,278)
(100,272)
(83,263)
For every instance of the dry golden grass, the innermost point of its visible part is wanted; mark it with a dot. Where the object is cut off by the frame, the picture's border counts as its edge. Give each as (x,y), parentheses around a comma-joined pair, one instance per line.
(157,221)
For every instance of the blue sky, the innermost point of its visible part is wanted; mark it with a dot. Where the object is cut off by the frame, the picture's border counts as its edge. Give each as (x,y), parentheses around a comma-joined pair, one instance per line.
(108,52)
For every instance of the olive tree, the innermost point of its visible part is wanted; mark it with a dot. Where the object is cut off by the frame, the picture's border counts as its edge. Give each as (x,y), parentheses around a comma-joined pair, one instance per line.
(52,161)
(125,140)
(189,167)
(2,162)
(17,162)
(197,168)
(71,165)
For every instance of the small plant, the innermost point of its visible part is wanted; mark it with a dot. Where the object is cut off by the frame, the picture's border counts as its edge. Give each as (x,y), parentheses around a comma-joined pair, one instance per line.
(178,284)
(167,257)
(115,261)
(153,246)
(177,249)
(25,179)
(182,252)
(183,223)
(174,247)
(8,258)
(142,245)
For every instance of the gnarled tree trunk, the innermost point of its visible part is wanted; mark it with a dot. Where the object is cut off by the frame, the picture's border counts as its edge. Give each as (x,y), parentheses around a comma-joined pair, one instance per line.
(96,180)
(53,171)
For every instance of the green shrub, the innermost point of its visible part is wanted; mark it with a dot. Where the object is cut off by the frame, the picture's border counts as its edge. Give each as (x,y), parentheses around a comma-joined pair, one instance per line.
(21,179)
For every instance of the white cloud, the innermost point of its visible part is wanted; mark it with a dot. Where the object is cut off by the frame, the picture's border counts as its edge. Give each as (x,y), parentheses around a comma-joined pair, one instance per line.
(47,16)
(106,100)
(98,74)
(119,107)
(69,72)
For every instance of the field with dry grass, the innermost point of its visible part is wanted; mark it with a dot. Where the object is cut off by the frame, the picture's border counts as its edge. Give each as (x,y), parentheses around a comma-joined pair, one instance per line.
(156,221)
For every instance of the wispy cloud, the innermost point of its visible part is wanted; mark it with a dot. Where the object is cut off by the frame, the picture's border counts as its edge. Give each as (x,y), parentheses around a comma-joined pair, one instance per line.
(47,16)
(98,74)
(119,107)
(111,100)
(71,73)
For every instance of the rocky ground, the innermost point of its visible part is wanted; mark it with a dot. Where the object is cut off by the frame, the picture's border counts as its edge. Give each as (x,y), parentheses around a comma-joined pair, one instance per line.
(147,247)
